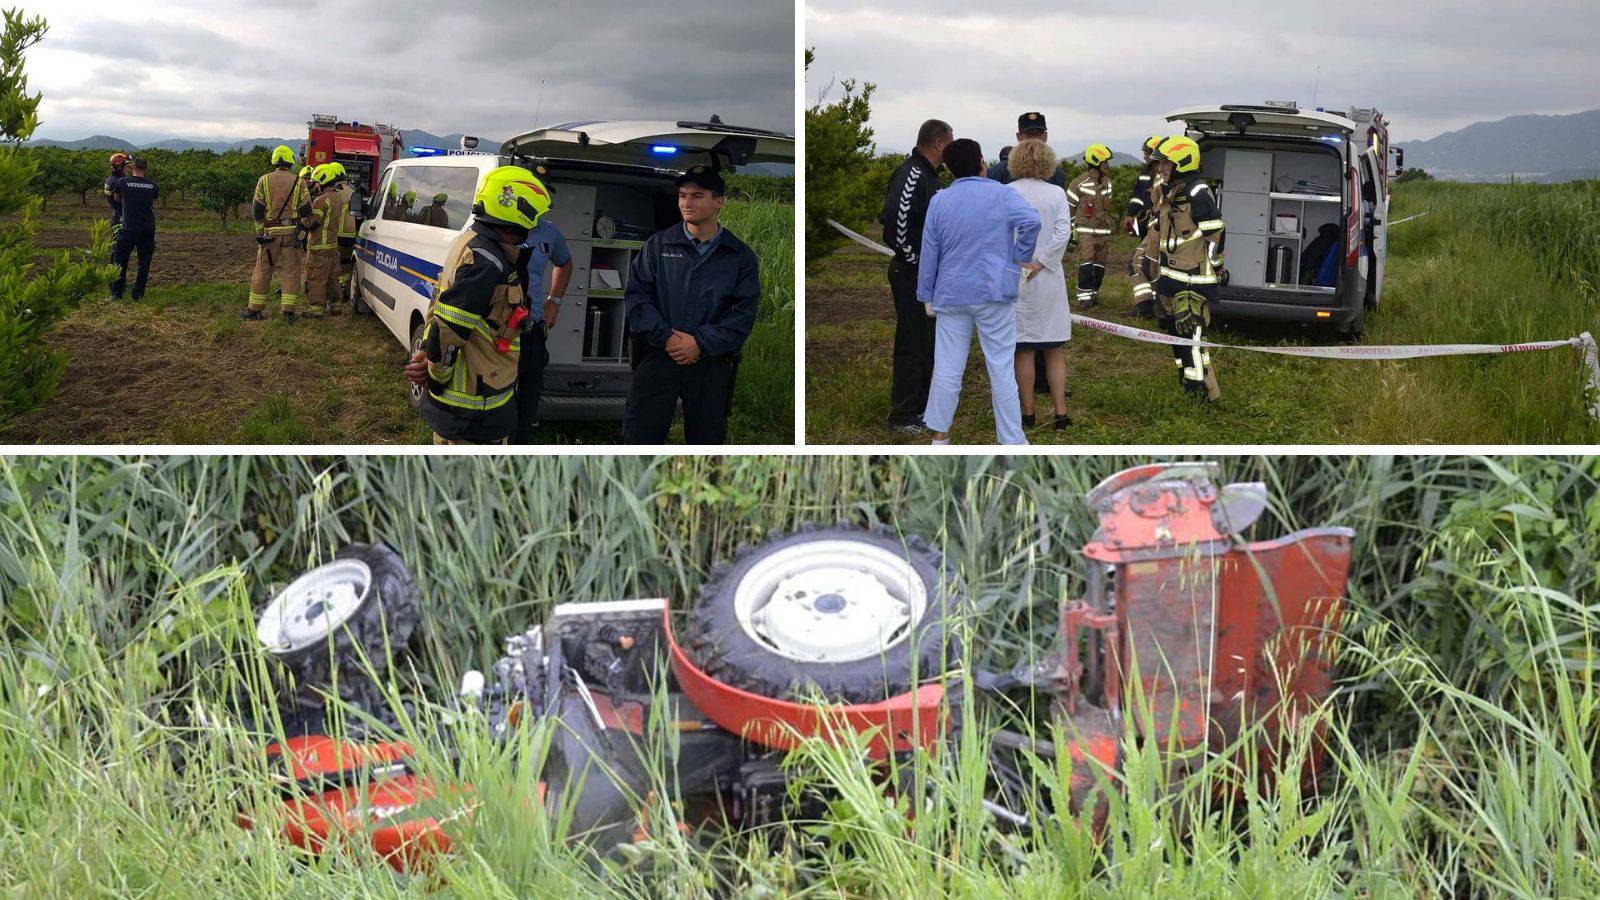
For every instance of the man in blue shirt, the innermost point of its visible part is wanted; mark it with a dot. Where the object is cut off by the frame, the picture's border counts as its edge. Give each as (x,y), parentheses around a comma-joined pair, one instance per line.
(975,240)
(692,296)
(545,245)
(136,195)
(1030,127)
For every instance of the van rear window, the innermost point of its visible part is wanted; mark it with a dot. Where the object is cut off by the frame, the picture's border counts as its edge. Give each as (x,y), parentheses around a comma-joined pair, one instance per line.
(438,196)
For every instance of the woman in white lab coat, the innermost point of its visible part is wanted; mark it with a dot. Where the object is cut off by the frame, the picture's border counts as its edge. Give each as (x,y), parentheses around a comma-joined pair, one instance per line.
(1044,323)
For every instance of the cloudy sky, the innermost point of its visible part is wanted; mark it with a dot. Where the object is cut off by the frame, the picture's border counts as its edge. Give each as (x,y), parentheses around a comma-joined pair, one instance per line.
(1106,70)
(215,69)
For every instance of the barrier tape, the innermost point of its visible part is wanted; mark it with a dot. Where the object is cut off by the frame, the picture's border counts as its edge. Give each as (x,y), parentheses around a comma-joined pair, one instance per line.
(1409,218)
(1584,342)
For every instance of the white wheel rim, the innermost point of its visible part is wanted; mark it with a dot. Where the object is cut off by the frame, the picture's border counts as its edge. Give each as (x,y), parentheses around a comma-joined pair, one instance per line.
(416,389)
(830,601)
(314,606)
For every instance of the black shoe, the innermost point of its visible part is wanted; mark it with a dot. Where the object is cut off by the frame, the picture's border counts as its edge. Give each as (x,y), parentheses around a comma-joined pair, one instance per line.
(1028,420)
(1062,421)
(252,315)
(1144,309)
(289,318)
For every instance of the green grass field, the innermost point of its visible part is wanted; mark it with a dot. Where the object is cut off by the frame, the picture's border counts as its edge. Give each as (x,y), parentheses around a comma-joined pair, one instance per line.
(181,368)
(1463,738)
(1488,264)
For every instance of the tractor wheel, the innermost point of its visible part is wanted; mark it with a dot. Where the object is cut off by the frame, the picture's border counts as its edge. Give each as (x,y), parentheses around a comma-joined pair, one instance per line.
(346,615)
(859,616)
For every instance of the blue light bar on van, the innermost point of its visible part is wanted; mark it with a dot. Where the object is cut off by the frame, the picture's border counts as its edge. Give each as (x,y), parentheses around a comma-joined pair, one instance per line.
(663,149)
(425,151)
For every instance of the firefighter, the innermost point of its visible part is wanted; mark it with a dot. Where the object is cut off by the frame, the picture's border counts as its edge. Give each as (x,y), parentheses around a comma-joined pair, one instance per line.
(472,339)
(347,230)
(322,229)
(279,205)
(306,182)
(1188,232)
(434,213)
(1146,188)
(1089,196)
(119,165)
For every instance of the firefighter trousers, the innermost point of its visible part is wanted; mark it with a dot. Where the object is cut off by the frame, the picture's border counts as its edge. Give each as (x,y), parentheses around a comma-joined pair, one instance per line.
(1093,251)
(1184,310)
(322,279)
(1140,265)
(279,256)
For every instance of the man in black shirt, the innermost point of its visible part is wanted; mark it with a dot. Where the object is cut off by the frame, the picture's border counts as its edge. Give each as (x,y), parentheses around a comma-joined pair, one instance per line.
(911,187)
(136,195)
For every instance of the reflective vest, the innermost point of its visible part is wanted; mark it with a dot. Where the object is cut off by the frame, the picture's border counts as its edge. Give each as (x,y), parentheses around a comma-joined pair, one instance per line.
(280,200)
(1189,231)
(475,326)
(1089,196)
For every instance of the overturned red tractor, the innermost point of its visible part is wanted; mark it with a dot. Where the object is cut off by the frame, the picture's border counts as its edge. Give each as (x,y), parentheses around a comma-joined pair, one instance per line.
(838,628)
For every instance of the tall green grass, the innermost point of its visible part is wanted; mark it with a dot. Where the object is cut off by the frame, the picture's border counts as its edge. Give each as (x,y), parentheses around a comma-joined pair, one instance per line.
(763,399)
(1463,742)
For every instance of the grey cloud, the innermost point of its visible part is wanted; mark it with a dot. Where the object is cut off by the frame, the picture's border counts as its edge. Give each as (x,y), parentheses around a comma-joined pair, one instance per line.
(472,67)
(1108,70)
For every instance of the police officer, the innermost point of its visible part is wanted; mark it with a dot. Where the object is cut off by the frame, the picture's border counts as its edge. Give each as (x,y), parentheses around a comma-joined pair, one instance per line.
(1189,234)
(911,189)
(1089,198)
(280,203)
(322,229)
(545,246)
(1030,127)
(692,297)
(1146,189)
(472,337)
(119,165)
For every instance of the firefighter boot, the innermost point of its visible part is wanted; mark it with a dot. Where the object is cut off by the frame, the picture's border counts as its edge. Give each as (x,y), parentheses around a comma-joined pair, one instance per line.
(252,315)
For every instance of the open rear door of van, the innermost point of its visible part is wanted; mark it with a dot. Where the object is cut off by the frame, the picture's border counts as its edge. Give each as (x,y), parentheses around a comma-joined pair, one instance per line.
(1276,121)
(660,145)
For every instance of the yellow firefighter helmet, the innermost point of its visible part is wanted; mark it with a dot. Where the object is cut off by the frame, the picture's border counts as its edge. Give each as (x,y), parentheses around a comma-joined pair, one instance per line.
(1096,154)
(282,156)
(308,172)
(1151,142)
(511,195)
(1181,151)
(324,174)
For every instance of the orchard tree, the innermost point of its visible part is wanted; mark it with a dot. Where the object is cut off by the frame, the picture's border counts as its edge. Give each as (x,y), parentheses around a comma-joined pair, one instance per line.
(52,174)
(226,184)
(839,150)
(33,296)
(89,171)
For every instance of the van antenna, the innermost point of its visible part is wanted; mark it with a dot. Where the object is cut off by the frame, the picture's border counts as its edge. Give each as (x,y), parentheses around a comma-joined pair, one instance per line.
(1316,82)
(538,106)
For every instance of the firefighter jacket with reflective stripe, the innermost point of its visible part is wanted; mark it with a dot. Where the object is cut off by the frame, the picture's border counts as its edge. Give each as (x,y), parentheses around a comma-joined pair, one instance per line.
(1142,224)
(347,202)
(110,189)
(279,201)
(1189,231)
(1089,196)
(1140,205)
(905,207)
(473,337)
(326,221)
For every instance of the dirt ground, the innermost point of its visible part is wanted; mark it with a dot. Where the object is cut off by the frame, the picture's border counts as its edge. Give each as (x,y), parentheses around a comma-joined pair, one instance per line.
(181,257)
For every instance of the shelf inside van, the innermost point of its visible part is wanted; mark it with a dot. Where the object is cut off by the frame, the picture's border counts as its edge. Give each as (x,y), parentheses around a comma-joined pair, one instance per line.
(1302,288)
(1308,198)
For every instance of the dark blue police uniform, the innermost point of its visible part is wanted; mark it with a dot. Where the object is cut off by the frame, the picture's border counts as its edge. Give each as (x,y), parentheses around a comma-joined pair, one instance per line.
(708,289)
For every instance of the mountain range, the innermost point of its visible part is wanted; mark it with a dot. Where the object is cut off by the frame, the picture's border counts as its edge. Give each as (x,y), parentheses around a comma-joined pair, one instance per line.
(1532,148)
(410,137)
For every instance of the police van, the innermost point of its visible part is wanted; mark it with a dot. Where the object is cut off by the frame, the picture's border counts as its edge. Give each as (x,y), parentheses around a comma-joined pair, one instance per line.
(1305,196)
(612,183)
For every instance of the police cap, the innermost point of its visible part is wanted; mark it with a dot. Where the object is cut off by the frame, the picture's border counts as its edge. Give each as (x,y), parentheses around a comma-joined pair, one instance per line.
(1031,121)
(703,176)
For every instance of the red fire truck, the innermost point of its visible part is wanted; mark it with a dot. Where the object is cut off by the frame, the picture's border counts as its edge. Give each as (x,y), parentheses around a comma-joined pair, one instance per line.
(365,150)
